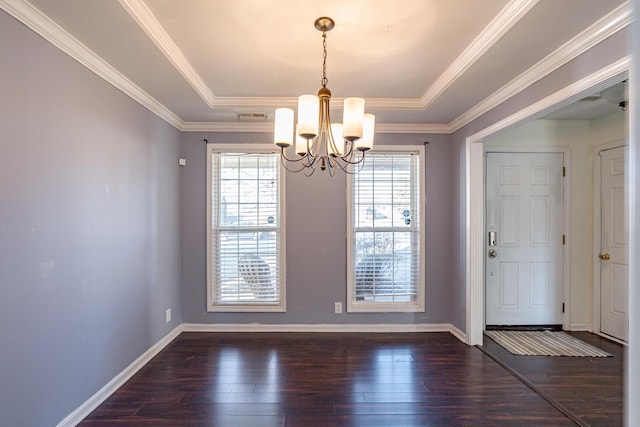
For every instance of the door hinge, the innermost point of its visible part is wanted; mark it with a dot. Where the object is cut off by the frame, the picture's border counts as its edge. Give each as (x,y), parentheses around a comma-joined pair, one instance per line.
(564,239)
(564,171)
(563,307)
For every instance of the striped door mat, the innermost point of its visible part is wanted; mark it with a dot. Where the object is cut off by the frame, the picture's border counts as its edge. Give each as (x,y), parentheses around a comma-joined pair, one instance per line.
(544,343)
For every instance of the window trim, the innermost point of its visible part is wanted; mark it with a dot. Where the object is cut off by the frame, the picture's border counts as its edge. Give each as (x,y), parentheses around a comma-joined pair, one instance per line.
(281,306)
(354,306)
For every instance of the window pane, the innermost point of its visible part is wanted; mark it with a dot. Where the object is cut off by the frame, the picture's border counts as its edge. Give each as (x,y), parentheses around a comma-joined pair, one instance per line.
(385,199)
(247,266)
(385,267)
(245,236)
(385,231)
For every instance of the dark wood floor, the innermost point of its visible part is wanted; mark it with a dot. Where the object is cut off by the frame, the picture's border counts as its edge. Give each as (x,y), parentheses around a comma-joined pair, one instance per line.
(295,379)
(589,390)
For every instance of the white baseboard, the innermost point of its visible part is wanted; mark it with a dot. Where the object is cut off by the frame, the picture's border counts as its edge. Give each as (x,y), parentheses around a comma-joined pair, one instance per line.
(94,401)
(456,332)
(614,339)
(582,327)
(320,327)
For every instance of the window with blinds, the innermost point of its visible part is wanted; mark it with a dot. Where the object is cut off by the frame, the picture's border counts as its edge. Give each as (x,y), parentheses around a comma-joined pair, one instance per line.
(386,244)
(245,233)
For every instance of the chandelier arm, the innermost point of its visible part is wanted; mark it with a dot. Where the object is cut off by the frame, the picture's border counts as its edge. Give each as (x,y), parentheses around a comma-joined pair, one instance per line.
(332,167)
(309,171)
(325,135)
(331,142)
(311,160)
(284,160)
(313,145)
(350,152)
(345,165)
(301,158)
(348,159)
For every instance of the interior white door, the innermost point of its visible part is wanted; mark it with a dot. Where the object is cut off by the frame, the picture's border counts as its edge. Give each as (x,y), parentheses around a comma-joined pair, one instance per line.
(614,250)
(524,224)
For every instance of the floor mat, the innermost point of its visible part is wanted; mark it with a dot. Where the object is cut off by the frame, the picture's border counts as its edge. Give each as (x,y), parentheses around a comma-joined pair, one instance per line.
(544,343)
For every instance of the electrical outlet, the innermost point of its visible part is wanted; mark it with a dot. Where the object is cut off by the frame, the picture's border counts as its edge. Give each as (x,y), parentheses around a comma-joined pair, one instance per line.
(338,307)
(168,315)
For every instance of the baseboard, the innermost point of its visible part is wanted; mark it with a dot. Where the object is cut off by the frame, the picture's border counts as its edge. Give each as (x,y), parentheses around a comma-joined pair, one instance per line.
(456,332)
(94,401)
(612,338)
(582,327)
(320,327)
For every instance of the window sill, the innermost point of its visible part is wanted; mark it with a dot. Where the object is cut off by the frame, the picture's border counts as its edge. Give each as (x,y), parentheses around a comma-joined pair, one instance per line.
(246,308)
(385,308)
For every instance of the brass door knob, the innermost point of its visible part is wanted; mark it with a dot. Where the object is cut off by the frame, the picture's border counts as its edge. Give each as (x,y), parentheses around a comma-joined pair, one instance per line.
(605,257)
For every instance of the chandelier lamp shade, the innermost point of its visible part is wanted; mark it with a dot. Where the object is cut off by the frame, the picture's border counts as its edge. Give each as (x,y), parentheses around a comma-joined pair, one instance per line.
(318,141)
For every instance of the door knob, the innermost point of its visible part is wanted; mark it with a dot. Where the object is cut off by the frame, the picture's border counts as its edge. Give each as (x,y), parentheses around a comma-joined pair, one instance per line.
(492,253)
(605,257)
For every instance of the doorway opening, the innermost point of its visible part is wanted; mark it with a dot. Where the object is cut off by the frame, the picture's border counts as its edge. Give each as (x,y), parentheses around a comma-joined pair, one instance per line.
(475,170)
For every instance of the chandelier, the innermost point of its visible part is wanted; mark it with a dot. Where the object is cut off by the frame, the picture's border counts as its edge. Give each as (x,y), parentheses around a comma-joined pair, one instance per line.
(320,143)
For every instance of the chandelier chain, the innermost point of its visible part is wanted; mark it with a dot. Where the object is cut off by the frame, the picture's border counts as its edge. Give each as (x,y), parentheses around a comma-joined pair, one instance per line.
(324,59)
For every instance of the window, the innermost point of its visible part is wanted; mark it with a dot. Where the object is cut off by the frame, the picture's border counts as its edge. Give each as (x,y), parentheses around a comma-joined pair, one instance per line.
(385,238)
(245,230)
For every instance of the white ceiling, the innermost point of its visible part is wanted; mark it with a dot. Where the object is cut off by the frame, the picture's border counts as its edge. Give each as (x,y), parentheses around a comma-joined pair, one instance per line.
(421,65)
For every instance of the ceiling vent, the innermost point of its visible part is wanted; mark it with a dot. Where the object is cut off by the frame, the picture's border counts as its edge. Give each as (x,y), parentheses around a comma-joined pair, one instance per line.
(252,117)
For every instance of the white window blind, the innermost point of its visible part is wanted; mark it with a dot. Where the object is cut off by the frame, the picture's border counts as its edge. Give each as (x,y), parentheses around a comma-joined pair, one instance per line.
(245,253)
(385,236)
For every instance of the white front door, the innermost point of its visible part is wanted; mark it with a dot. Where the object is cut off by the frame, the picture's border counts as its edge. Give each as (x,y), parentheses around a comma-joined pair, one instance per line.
(524,238)
(614,250)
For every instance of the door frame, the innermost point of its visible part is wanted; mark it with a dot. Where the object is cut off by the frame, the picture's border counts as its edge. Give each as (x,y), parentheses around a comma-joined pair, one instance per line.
(597,230)
(566,219)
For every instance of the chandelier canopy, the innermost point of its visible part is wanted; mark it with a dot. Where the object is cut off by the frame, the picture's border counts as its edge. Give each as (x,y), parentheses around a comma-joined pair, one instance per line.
(319,142)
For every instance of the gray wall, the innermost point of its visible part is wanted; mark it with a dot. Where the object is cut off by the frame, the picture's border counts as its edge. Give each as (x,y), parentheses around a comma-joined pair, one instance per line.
(610,50)
(89,230)
(315,233)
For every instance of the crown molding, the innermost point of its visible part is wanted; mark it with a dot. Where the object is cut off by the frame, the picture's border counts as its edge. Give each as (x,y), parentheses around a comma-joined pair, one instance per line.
(232,127)
(503,22)
(44,26)
(141,13)
(434,128)
(292,102)
(267,127)
(615,21)
(393,103)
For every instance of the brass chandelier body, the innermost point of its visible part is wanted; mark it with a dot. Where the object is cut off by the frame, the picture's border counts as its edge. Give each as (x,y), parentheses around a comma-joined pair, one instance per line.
(320,143)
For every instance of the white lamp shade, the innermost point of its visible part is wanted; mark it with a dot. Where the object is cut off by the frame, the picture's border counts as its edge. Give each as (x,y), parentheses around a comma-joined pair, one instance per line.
(366,142)
(283,130)
(338,140)
(353,118)
(308,109)
(301,143)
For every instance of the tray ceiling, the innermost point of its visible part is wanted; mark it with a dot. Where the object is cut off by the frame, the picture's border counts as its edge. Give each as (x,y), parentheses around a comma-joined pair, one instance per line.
(429,65)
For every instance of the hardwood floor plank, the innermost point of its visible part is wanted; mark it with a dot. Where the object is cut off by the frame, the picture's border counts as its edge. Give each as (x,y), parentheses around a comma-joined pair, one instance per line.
(296,379)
